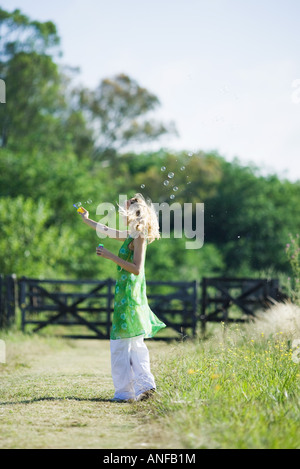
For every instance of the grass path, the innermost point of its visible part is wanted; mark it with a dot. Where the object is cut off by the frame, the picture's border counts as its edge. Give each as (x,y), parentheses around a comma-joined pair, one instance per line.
(238,389)
(55,393)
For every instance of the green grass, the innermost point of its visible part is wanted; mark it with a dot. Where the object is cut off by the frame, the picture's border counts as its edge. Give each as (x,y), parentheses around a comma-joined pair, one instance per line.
(238,389)
(54,393)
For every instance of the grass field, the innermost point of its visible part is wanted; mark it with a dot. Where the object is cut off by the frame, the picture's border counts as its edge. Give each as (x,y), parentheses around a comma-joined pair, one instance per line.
(237,389)
(55,394)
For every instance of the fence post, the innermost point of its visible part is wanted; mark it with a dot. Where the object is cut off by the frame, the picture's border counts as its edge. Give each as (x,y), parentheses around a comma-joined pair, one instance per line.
(195,307)
(203,306)
(22,301)
(10,299)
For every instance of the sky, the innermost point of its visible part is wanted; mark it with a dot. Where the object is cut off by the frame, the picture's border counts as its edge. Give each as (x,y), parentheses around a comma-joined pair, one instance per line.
(227,72)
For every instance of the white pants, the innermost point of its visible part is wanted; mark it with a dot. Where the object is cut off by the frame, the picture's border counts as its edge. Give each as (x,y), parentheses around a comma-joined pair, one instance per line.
(130,367)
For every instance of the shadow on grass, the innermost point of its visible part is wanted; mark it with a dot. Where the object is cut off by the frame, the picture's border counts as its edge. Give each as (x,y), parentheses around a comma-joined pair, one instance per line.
(51,398)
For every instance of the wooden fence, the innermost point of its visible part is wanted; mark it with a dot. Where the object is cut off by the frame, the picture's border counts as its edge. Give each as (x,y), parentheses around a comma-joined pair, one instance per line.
(90,303)
(67,303)
(236,300)
(185,307)
(176,304)
(8,300)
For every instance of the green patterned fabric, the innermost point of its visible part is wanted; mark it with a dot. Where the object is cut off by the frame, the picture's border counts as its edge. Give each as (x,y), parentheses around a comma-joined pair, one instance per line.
(132,314)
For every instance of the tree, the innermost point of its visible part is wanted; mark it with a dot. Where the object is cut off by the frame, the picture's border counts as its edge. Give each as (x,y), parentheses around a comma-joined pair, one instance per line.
(249,219)
(117,110)
(18,33)
(28,245)
(37,113)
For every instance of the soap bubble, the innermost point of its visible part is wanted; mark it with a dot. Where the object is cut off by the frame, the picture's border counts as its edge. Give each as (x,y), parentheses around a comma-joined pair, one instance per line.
(166,183)
(163,168)
(190,153)
(182,168)
(142,186)
(175,188)
(80,204)
(172,196)
(170,175)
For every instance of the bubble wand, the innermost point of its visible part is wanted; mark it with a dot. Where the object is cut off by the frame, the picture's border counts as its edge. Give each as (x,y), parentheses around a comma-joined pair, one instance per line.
(79,209)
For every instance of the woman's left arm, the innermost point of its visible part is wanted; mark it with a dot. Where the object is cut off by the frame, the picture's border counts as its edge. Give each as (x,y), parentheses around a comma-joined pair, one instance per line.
(134,267)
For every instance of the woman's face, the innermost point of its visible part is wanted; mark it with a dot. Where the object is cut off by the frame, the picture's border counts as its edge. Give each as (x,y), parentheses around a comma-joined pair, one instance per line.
(130,201)
(127,205)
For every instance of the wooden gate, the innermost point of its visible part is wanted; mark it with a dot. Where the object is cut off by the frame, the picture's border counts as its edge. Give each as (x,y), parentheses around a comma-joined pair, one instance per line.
(176,304)
(60,302)
(89,303)
(236,300)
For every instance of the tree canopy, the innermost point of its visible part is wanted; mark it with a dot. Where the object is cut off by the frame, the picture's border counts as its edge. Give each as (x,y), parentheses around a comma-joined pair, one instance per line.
(118,110)
(60,144)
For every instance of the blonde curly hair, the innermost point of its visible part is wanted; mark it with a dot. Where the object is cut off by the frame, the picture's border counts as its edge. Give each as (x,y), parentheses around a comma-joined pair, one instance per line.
(141,218)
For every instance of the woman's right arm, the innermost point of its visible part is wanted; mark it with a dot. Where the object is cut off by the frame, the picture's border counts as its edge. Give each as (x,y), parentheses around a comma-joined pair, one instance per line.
(103,229)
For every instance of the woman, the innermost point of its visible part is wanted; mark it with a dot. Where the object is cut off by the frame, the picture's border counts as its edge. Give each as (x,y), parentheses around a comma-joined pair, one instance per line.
(133,319)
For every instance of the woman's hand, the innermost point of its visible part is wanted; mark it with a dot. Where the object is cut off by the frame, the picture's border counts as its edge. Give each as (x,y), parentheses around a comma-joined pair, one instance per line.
(102,252)
(84,214)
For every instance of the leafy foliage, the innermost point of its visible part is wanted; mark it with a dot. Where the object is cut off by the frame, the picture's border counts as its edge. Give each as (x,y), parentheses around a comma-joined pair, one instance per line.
(117,109)
(62,144)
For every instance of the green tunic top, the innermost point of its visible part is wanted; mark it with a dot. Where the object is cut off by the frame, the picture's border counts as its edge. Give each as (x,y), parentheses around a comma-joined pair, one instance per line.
(132,315)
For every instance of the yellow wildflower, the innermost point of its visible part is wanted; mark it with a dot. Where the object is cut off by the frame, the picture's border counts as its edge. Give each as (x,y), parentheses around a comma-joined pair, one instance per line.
(215,376)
